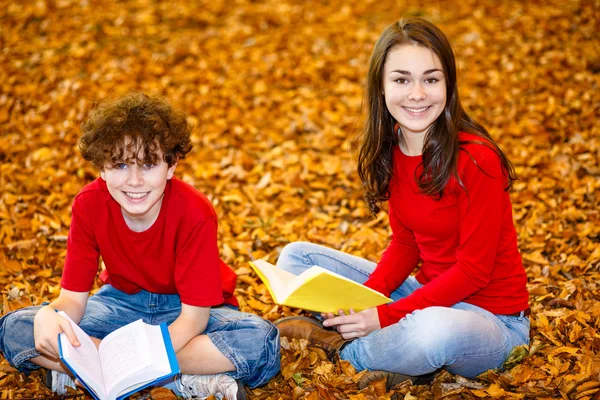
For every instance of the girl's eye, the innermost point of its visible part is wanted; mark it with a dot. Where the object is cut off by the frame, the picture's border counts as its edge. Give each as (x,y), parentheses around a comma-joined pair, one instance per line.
(401,80)
(431,80)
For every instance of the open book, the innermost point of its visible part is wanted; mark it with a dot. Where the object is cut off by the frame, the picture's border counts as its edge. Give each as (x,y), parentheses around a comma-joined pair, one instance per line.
(129,359)
(316,289)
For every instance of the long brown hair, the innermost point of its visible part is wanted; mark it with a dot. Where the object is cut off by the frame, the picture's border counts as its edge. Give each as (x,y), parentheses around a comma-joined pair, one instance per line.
(441,145)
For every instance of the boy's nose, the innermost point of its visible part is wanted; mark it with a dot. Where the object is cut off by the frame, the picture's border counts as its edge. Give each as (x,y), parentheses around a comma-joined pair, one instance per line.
(135,176)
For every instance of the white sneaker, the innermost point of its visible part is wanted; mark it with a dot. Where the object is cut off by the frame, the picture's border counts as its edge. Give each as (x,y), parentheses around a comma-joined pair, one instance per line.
(59,382)
(202,386)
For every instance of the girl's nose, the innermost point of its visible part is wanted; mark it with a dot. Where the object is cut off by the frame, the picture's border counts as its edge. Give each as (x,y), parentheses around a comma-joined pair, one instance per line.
(417,92)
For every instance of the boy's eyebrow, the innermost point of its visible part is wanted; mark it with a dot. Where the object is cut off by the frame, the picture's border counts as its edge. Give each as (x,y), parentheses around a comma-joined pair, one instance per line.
(429,71)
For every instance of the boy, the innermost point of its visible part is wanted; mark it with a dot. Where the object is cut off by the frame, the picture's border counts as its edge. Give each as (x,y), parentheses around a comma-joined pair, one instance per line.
(157,237)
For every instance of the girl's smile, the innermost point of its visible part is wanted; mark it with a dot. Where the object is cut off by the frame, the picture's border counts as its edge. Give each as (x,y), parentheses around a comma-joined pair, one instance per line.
(414,87)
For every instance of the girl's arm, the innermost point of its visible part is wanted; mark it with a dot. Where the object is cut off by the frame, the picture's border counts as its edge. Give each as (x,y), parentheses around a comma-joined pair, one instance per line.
(480,211)
(398,260)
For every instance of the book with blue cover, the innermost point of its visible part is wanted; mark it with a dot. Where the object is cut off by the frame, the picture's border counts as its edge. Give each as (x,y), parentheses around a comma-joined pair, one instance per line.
(131,358)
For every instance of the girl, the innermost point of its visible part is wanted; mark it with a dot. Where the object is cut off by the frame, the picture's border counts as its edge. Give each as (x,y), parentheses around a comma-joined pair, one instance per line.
(446,183)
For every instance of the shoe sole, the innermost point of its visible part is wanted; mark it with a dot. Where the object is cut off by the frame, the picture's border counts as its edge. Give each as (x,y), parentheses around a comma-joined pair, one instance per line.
(392,379)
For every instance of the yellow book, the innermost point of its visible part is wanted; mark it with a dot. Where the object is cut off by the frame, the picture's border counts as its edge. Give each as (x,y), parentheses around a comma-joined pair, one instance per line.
(316,289)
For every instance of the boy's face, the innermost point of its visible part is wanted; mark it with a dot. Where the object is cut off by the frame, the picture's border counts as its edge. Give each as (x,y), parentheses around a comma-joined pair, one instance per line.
(138,188)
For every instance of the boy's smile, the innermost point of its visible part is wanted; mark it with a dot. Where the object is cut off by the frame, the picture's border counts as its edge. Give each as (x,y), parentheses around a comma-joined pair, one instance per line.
(138,189)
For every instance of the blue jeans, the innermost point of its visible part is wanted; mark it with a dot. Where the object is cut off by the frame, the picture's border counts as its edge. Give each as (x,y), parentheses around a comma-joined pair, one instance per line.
(248,341)
(465,339)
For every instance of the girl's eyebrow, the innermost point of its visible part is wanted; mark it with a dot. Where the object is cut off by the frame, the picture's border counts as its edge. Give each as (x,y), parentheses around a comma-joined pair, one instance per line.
(429,71)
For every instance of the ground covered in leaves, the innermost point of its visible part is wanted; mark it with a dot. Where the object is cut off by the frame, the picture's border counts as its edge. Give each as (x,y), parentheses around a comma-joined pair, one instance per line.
(274,89)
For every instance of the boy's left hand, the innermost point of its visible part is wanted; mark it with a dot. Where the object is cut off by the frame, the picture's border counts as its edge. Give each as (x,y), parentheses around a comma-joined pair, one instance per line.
(353,325)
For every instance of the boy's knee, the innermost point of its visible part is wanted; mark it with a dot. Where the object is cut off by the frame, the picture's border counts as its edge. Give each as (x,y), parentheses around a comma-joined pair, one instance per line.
(268,354)
(16,333)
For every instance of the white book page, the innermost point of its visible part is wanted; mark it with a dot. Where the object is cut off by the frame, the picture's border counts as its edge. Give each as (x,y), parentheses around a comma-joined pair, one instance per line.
(123,353)
(277,277)
(83,359)
(160,365)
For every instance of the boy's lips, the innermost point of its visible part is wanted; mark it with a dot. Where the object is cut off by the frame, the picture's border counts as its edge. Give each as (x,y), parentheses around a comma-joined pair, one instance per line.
(136,195)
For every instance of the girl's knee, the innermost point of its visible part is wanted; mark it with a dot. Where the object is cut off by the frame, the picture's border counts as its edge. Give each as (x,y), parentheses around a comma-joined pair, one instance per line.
(292,253)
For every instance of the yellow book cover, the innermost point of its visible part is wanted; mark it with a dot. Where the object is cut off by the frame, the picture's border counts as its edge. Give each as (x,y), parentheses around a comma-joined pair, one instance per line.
(316,289)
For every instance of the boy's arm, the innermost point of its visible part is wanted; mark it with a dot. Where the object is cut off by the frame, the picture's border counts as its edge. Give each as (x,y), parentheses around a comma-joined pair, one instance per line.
(47,324)
(191,322)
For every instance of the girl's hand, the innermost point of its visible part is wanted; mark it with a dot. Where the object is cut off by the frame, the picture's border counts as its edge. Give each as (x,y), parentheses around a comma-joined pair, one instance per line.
(354,325)
(47,324)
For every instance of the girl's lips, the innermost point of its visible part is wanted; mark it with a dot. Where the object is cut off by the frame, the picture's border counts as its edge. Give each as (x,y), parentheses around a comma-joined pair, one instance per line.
(416,110)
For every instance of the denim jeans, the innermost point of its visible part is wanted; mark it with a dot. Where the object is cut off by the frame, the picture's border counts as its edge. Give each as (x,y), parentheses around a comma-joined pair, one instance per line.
(465,339)
(248,341)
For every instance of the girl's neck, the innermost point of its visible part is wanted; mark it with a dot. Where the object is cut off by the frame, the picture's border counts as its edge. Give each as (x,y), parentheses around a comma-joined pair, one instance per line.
(412,145)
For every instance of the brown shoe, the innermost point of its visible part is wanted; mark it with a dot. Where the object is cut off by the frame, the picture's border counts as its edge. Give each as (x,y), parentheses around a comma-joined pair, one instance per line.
(312,330)
(392,379)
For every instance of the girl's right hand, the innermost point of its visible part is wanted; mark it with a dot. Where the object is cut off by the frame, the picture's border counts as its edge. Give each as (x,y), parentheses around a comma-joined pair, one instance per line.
(47,324)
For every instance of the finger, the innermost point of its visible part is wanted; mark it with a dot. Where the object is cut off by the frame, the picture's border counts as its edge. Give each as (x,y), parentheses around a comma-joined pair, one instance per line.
(341,312)
(347,328)
(69,332)
(351,335)
(351,311)
(44,349)
(335,321)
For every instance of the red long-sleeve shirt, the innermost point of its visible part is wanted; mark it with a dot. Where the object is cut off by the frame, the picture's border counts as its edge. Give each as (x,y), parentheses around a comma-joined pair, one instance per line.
(466,240)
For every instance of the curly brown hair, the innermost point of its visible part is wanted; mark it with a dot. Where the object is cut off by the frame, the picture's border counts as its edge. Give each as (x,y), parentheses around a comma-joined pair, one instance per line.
(135,126)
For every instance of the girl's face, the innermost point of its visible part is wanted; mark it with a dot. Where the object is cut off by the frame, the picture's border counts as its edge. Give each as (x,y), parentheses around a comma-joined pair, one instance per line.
(414,87)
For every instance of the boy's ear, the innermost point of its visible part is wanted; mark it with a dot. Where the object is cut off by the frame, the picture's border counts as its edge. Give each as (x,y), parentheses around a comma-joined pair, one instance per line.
(102,174)
(171,171)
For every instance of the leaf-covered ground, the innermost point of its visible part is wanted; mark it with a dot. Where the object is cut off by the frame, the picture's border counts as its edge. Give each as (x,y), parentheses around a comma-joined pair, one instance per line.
(274,90)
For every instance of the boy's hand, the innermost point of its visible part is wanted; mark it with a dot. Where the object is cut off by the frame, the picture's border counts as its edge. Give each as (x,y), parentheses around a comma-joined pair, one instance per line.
(353,325)
(47,324)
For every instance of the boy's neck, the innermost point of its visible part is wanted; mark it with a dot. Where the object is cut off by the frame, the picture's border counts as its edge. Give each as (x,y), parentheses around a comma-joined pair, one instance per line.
(143,222)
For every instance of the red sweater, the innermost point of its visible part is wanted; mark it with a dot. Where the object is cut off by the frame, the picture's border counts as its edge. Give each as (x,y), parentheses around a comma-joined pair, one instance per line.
(466,240)
(177,254)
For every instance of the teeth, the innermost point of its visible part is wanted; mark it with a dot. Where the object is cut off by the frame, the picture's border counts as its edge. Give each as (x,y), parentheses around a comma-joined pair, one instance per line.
(416,110)
(136,195)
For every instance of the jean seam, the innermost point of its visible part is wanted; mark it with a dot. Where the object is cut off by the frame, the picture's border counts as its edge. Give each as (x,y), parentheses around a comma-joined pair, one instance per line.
(307,261)
(24,356)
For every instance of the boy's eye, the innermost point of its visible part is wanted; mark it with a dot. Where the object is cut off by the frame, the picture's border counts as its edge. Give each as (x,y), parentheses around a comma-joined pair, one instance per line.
(148,166)
(120,166)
